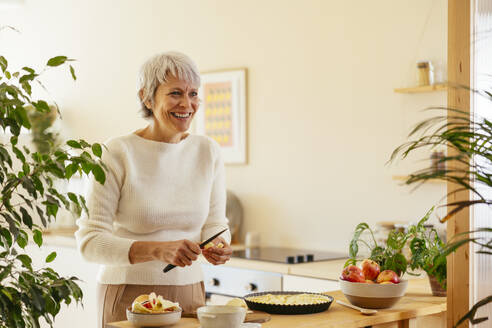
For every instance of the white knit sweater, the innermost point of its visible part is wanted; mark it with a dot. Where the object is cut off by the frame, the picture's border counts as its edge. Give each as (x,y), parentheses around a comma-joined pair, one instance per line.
(154,191)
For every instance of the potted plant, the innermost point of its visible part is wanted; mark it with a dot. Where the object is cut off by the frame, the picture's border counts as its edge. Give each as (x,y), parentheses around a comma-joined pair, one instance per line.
(29,201)
(426,248)
(469,167)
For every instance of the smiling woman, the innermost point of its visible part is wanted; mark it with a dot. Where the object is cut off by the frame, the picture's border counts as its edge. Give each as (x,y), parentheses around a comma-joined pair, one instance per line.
(164,193)
(172,109)
(169,96)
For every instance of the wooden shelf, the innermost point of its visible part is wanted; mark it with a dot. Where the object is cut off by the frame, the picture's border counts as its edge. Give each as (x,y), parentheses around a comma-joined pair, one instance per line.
(405,177)
(422,89)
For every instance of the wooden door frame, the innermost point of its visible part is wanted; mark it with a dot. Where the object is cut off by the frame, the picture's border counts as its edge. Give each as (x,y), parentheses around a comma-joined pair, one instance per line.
(459,68)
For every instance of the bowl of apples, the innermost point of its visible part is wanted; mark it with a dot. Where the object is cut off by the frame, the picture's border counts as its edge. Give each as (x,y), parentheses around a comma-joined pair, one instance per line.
(369,287)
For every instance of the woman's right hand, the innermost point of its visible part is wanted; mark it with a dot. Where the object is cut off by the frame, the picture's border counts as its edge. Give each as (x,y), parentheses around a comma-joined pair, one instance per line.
(179,252)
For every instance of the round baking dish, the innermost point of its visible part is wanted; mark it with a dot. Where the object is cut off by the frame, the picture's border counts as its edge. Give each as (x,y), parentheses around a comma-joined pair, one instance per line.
(288,308)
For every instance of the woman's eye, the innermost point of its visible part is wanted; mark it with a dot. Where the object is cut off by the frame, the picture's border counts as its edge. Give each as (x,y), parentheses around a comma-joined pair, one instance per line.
(175,93)
(194,94)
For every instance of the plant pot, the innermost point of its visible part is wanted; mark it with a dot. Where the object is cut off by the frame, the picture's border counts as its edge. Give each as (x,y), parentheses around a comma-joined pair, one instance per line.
(436,287)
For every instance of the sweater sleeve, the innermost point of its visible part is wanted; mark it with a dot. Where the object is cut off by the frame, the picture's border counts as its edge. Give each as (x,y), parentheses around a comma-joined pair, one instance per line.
(95,239)
(216,220)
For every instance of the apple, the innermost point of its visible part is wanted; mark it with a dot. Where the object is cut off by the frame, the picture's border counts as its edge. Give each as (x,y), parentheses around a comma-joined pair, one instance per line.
(388,275)
(386,283)
(353,273)
(370,269)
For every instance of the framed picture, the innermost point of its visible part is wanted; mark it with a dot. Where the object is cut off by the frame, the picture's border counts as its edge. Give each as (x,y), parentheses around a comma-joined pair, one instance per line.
(222,114)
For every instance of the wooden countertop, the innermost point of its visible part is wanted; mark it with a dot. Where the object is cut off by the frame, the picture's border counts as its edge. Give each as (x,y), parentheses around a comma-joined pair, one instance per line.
(418,302)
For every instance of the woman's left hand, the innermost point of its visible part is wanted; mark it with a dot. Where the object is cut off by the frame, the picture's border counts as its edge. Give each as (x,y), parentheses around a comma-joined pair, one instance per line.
(216,255)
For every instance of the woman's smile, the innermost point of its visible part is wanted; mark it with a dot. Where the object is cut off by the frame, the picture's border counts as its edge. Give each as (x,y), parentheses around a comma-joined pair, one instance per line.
(182,116)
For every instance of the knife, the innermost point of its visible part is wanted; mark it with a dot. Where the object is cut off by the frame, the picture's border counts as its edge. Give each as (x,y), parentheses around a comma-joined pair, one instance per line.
(202,244)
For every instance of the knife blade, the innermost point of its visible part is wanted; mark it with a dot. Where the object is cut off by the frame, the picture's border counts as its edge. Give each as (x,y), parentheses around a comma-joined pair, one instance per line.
(202,244)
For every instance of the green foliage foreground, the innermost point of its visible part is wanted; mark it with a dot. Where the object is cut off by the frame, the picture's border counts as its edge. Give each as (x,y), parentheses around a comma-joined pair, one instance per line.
(29,195)
(469,166)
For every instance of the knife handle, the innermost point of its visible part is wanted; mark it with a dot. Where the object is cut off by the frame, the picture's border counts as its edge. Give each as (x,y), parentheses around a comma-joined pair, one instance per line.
(169,267)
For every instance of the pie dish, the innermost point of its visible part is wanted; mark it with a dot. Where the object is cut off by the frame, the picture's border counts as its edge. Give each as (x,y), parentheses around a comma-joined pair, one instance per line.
(266,302)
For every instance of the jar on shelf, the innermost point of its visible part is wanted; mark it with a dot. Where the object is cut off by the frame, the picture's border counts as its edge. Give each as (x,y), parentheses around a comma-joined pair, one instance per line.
(425,73)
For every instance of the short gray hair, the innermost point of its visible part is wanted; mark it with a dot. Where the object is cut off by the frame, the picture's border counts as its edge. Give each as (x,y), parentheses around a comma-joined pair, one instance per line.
(157,69)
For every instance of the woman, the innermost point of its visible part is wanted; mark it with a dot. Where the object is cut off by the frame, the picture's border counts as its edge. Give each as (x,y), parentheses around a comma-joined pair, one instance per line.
(164,194)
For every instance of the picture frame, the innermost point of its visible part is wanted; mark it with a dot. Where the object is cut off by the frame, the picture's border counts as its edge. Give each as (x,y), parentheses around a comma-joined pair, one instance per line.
(222,114)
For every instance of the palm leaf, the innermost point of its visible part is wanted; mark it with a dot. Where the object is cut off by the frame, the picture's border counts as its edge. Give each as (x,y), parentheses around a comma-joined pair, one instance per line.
(470,315)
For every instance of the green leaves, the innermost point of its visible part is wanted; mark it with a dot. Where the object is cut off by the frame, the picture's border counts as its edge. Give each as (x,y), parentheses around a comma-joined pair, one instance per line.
(56,61)
(389,256)
(50,257)
(99,174)
(3,63)
(354,243)
(22,239)
(85,162)
(74,144)
(28,191)
(470,159)
(37,237)
(6,238)
(470,315)
(426,249)
(41,106)
(72,72)
(97,150)
(396,262)
(26,260)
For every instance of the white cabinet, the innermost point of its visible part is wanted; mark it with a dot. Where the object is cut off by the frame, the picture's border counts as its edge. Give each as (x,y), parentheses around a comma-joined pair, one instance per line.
(307,284)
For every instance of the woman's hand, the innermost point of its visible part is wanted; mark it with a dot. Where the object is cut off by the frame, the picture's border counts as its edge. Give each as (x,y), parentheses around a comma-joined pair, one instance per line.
(179,252)
(216,255)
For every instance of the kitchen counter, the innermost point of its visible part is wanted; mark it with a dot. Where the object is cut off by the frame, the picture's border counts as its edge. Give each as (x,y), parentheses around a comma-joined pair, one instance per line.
(418,308)
(321,270)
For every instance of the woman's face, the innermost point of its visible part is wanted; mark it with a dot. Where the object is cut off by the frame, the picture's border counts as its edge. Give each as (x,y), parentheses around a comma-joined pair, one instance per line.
(175,104)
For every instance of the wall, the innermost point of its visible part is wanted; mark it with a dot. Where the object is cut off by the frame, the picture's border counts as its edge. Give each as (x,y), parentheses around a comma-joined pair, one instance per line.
(322,116)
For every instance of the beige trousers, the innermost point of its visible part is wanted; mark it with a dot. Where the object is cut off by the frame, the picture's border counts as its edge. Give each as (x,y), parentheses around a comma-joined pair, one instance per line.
(114,299)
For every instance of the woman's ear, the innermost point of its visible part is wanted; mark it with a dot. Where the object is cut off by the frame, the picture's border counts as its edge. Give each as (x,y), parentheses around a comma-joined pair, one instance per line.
(147,103)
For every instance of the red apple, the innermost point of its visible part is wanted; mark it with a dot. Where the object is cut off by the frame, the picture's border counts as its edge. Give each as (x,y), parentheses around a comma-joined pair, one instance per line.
(370,269)
(388,275)
(353,273)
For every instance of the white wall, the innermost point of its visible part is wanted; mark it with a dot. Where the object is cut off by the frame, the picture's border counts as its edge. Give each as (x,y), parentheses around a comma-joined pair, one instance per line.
(323,117)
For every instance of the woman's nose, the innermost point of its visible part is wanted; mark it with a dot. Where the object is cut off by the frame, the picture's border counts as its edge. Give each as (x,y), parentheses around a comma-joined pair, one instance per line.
(186,102)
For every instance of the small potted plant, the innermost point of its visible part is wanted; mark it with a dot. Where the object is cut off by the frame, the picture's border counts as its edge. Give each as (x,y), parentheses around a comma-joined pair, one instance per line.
(426,247)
